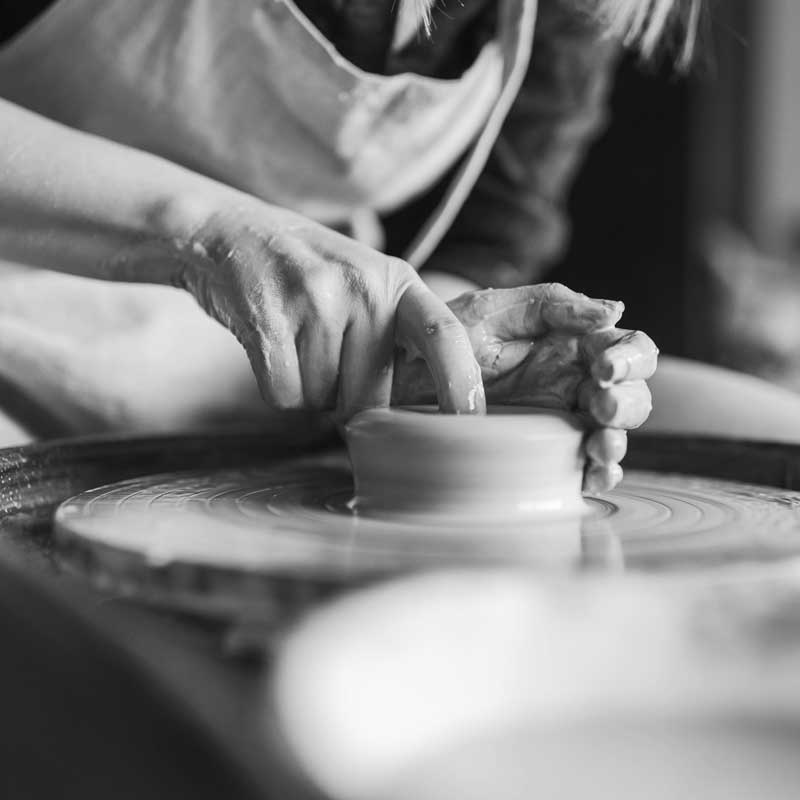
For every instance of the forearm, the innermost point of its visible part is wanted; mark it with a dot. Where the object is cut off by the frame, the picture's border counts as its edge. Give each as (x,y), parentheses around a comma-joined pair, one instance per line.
(77,203)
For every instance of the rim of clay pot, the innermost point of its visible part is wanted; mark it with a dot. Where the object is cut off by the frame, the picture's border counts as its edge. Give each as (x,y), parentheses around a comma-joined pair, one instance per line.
(537,421)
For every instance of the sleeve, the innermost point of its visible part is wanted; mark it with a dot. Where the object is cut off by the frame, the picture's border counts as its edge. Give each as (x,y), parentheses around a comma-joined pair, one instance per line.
(514,223)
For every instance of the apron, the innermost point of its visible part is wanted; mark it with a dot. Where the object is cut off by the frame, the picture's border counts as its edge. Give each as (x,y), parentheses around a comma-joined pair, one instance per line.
(250,93)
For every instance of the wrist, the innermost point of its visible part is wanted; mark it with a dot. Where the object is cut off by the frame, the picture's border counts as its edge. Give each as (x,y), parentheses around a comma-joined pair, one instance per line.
(181,229)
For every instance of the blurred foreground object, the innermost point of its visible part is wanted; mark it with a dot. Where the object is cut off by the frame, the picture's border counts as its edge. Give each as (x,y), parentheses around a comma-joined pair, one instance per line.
(467,685)
(695,399)
(83,720)
(755,312)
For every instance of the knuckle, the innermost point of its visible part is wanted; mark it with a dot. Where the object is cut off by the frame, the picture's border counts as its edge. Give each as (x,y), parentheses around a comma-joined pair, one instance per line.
(551,290)
(355,283)
(400,267)
(291,281)
(400,273)
(321,297)
(314,271)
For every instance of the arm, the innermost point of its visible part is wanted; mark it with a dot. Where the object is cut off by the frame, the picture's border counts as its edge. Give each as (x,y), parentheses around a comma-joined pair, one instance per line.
(78,203)
(318,314)
(514,223)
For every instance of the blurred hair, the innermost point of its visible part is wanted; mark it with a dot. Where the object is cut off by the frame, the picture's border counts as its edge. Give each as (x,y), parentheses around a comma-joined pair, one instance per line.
(648,24)
(422,12)
(644,24)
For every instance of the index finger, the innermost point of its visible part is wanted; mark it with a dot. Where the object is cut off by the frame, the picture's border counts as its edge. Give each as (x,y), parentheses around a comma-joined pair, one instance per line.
(426,322)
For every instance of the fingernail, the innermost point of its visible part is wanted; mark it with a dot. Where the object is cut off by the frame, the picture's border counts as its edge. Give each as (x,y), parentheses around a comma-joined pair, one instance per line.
(603,372)
(604,408)
(620,368)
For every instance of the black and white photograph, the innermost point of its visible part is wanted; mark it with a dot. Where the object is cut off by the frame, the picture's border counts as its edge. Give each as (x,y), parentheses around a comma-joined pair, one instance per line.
(400,399)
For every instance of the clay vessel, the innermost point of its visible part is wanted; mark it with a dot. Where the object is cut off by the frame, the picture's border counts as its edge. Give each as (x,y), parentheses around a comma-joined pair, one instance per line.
(513,462)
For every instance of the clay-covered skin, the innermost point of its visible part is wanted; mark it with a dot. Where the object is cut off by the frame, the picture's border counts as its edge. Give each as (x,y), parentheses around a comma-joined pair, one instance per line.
(320,315)
(548,346)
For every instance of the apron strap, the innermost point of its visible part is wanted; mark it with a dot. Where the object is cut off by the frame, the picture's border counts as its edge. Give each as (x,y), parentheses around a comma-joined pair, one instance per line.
(440,221)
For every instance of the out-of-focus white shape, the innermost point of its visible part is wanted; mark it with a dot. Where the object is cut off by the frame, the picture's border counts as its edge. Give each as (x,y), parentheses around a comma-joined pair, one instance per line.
(99,356)
(773,122)
(502,685)
(12,434)
(694,398)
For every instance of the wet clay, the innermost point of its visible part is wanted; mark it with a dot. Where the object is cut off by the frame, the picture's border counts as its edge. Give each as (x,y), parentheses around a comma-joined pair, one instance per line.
(513,462)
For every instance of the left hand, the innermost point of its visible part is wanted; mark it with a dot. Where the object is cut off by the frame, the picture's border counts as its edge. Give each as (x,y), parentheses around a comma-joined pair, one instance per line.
(548,346)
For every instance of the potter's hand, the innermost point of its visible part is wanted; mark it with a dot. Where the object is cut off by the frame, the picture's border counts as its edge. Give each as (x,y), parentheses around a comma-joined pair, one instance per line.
(320,315)
(548,346)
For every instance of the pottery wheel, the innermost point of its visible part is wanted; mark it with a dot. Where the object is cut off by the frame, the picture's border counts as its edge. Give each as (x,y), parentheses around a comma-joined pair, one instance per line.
(219,540)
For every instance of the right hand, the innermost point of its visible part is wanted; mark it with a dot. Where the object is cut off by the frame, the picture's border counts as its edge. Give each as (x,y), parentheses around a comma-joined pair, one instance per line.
(320,315)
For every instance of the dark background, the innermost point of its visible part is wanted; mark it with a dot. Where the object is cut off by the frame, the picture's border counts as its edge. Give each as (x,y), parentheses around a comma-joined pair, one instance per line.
(671,162)
(630,204)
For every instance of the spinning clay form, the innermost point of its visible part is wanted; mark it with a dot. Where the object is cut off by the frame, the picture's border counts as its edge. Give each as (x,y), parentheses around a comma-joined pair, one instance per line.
(514,462)
(430,490)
